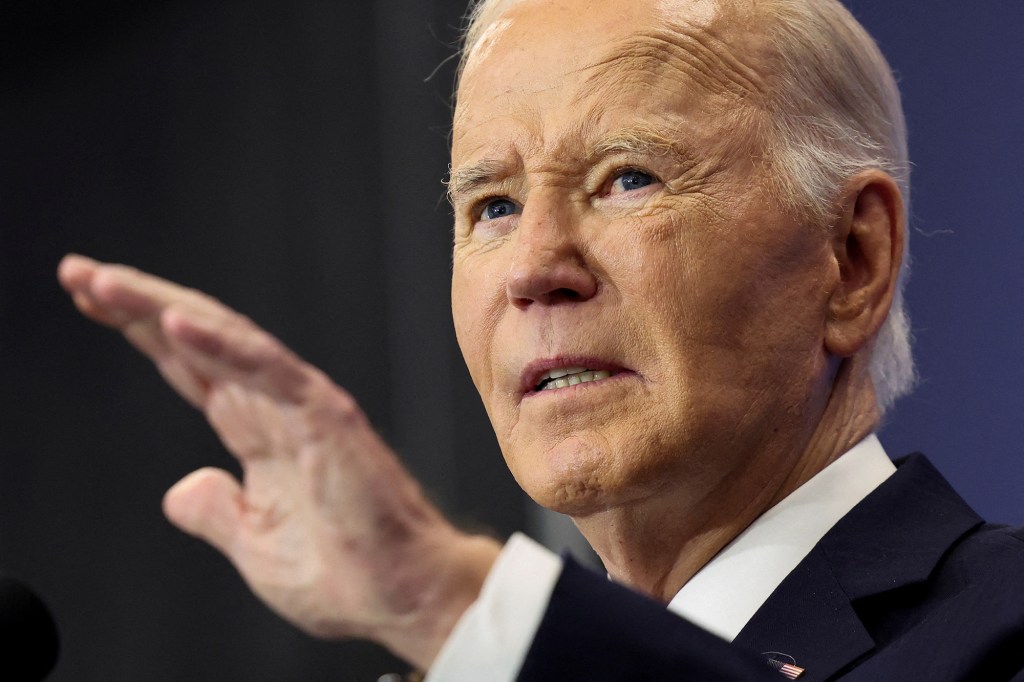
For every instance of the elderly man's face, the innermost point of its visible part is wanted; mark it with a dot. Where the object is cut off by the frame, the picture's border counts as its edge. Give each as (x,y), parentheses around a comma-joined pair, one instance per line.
(614,214)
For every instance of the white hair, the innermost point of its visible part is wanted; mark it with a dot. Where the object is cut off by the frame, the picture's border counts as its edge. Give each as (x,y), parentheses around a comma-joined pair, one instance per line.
(834,110)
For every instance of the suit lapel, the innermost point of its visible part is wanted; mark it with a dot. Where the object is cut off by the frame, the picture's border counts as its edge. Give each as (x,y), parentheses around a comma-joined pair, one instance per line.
(808,618)
(894,538)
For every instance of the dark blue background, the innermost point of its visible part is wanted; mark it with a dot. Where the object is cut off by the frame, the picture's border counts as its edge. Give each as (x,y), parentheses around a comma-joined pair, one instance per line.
(961,71)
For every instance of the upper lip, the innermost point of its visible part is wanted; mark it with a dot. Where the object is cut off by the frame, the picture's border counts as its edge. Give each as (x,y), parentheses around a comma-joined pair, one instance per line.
(532,373)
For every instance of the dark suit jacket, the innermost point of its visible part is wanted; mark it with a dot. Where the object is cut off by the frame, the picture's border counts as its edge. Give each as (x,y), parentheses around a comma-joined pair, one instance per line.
(910,585)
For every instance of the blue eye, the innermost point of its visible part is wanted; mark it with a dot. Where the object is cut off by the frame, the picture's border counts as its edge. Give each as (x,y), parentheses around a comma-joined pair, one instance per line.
(632,180)
(499,208)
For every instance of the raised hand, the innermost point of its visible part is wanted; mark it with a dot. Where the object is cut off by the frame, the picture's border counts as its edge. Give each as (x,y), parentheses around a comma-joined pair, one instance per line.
(326,526)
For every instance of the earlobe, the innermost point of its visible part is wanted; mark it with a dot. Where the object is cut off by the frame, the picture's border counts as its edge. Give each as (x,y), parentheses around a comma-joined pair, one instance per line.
(868,247)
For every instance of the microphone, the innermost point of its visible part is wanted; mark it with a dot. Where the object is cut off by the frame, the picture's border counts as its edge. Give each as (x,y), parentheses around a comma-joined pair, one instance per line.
(28,634)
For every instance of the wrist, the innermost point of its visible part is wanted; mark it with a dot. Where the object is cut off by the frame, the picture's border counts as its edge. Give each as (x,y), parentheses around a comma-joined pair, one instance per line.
(459,566)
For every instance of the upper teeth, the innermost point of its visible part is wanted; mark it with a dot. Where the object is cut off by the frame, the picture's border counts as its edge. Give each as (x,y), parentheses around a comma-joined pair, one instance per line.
(570,376)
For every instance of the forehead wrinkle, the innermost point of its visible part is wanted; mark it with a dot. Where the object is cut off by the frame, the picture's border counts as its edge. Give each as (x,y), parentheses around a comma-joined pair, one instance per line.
(571,149)
(662,134)
(497,167)
(684,51)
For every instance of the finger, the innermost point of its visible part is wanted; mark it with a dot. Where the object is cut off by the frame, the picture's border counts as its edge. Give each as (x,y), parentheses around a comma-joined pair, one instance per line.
(208,504)
(128,294)
(147,337)
(75,272)
(91,309)
(233,348)
(183,378)
(124,294)
(132,302)
(115,295)
(100,294)
(195,351)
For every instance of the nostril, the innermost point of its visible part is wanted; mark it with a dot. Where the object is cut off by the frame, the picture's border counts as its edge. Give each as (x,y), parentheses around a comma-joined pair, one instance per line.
(560,295)
(548,279)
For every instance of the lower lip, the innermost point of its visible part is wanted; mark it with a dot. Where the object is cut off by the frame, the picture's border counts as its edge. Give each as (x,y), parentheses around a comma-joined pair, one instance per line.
(570,390)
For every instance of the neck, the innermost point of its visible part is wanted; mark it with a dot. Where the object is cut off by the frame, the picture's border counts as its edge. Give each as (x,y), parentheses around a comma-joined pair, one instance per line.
(657,544)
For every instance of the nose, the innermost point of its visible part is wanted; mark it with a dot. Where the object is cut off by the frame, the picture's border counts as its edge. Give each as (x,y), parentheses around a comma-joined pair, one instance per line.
(548,265)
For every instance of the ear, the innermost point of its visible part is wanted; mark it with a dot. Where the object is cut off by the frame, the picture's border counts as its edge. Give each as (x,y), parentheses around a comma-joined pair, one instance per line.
(868,247)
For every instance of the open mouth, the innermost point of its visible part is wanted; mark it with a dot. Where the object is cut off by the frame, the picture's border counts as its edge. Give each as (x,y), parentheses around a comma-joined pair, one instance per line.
(563,377)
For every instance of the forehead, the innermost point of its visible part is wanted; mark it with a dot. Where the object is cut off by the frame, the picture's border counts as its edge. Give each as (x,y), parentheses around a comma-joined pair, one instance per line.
(537,61)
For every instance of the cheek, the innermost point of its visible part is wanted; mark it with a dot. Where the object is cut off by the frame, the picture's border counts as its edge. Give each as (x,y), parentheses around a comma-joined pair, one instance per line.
(477,296)
(466,316)
(664,276)
(720,312)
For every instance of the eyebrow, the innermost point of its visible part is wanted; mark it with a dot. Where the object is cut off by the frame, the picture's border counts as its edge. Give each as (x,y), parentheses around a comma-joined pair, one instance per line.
(637,140)
(470,178)
(642,140)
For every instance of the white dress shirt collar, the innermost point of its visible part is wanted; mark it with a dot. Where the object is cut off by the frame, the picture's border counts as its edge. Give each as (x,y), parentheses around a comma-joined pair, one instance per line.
(724,595)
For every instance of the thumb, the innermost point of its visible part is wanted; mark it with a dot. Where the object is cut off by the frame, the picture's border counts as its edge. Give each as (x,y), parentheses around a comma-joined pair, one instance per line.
(208,504)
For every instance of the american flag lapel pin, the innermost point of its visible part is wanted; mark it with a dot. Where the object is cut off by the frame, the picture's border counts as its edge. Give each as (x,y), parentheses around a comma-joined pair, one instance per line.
(784,663)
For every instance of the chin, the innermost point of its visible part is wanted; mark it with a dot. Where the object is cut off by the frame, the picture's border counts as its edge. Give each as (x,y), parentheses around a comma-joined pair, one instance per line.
(572,497)
(577,477)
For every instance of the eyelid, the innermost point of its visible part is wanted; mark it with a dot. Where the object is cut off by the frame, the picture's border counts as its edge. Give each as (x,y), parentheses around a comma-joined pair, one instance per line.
(477,197)
(478,207)
(619,171)
(609,167)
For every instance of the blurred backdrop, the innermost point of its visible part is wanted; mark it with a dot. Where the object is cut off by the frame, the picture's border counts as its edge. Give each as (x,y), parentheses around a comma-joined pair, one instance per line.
(287,157)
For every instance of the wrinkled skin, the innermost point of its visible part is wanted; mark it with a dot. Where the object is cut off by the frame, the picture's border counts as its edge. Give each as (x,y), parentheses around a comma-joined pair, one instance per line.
(700,289)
